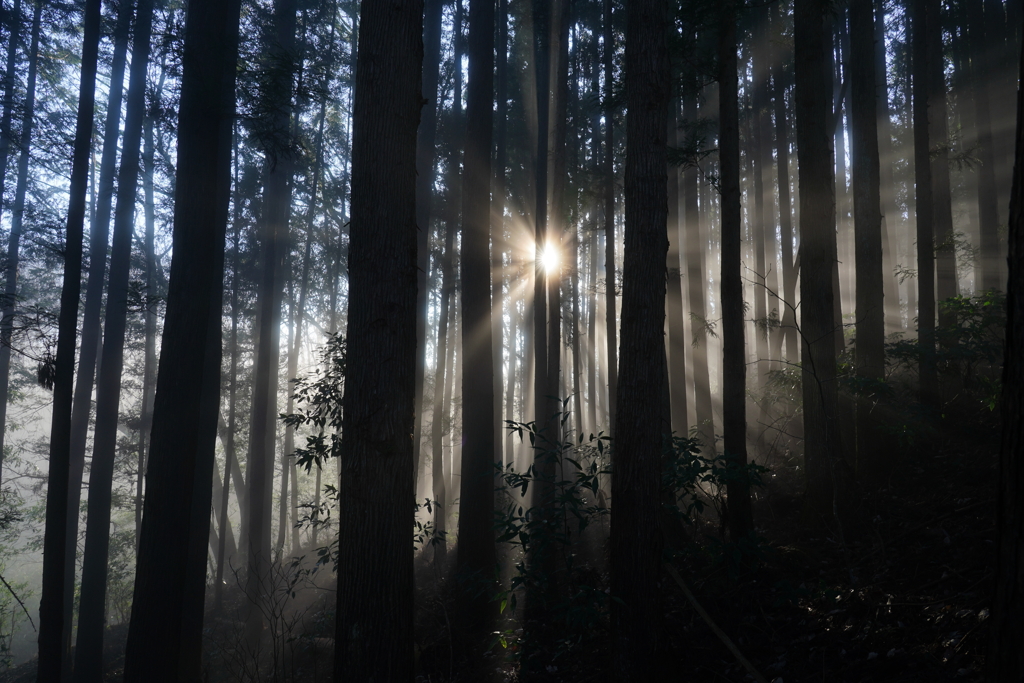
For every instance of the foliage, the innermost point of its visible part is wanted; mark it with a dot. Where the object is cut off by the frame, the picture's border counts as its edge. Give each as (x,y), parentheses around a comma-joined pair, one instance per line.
(318,401)
(969,349)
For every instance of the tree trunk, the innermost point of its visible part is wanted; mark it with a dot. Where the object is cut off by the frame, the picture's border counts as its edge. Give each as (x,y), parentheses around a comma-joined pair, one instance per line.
(163,643)
(925,204)
(13,38)
(476,557)
(636,541)
(697,280)
(374,636)
(867,217)
(53,648)
(822,444)
(938,139)
(425,175)
(609,214)
(677,380)
(890,214)
(734,394)
(789,272)
(274,249)
(89,645)
(149,324)
(1005,661)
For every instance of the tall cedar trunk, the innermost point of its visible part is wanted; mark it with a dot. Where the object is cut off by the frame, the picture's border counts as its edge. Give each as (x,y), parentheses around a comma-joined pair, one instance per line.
(499,246)
(988,266)
(53,647)
(374,636)
(541,58)
(771,337)
(89,645)
(556,222)
(734,368)
(149,325)
(14,20)
(789,271)
(612,365)
(677,380)
(867,218)
(442,374)
(99,230)
(425,174)
(163,636)
(274,247)
(759,220)
(636,541)
(7,306)
(595,209)
(230,457)
(925,205)
(1005,660)
(476,557)
(938,139)
(695,286)
(822,445)
(887,184)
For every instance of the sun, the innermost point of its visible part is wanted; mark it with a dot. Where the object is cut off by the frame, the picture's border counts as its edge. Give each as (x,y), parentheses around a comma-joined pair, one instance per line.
(549,258)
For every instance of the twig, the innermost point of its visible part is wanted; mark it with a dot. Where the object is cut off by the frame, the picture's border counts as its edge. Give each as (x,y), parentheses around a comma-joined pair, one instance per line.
(24,609)
(714,627)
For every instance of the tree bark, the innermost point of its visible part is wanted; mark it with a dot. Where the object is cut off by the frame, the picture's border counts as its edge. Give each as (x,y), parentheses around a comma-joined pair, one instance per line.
(476,558)
(53,648)
(677,380)
(635,535)
(1005,661)
(734,394)
(274,248)
(92,606)
(867,217)
(925,204)
(609,215)
(425,175)
(163,638)
(374,634)
(822,444)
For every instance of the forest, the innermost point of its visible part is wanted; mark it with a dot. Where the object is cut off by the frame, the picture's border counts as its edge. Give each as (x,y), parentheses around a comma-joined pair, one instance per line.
(540,341)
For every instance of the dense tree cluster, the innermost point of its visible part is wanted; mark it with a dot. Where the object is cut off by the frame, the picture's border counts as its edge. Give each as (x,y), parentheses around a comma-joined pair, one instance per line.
(329,326)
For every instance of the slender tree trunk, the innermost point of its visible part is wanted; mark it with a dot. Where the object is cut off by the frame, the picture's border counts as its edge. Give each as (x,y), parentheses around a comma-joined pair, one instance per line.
(822,445)
(375,556)
(1005,661)
(925,204)
(53,648)
(734,392)
(7,306)
(499,245)
(149,324)
(696,281)
(442,375)
(635,538)
(938,139)
(425,175)
(887,183)
(867,216)
(89,645)
(476,557)
(275,247)
(13,39)
(609,213)
(789,272)
(677,380)
(163,637)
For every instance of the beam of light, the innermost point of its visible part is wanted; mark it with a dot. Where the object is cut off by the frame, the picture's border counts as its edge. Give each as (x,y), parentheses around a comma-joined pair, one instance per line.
(549,258)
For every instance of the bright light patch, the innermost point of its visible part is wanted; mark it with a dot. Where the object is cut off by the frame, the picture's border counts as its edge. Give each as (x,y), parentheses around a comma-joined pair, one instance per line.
(549,258)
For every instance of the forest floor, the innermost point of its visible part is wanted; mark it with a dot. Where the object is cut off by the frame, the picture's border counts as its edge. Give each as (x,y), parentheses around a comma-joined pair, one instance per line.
(905,598)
